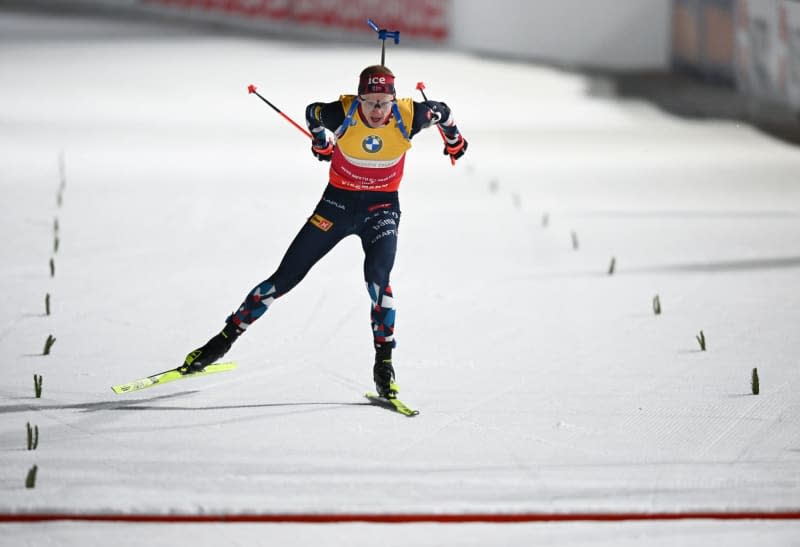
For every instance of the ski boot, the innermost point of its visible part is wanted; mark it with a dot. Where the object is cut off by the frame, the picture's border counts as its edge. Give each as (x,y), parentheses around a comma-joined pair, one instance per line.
(383,372)
(212,351)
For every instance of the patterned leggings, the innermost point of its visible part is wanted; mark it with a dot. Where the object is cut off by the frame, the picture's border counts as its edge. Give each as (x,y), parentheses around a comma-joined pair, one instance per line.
(372,216)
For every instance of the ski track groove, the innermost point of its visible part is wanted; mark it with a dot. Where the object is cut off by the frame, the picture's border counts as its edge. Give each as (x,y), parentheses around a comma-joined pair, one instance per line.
(733,431)
(459,416)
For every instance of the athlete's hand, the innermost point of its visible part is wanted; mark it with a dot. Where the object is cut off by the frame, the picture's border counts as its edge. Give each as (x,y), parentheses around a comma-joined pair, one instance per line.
(322,150)
(455,147)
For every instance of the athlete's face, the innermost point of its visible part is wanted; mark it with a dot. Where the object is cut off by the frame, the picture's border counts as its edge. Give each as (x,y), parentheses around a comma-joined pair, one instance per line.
(376,108)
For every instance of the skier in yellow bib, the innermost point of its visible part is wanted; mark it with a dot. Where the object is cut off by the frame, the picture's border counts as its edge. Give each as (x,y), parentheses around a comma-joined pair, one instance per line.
(365,137)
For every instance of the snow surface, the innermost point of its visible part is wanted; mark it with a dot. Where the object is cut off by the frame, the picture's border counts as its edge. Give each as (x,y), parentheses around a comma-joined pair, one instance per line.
(545,384)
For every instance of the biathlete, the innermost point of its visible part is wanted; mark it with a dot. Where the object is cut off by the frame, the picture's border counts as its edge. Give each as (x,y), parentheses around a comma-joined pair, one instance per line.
(372,133)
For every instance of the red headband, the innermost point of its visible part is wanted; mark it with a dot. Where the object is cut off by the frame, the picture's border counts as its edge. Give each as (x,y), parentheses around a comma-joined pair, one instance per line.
(376,83)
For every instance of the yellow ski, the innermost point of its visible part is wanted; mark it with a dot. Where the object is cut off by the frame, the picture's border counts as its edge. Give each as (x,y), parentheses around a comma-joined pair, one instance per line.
(170,376)
(392,404)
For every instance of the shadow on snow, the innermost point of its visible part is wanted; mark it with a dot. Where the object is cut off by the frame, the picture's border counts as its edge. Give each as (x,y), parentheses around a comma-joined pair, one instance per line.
(147,404)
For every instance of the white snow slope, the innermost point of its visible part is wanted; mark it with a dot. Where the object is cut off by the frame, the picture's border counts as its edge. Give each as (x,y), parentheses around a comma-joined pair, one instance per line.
(545,384)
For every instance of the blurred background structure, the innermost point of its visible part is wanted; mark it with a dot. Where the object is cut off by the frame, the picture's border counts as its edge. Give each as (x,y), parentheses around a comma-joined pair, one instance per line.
(734,59)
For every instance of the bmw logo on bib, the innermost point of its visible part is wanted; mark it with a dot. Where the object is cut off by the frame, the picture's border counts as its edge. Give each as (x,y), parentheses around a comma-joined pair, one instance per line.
(372,144)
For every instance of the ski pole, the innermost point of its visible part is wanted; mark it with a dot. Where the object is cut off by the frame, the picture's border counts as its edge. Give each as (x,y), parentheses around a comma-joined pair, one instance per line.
(252,89)
(421,87)
(383,34)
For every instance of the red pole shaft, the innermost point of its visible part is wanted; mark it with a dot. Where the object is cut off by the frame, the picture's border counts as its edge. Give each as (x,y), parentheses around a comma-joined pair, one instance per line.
(291,121)
(252,89)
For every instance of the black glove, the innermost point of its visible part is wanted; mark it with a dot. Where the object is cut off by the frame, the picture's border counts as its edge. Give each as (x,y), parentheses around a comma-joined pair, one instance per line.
(322,150)
(455,147)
